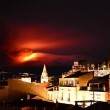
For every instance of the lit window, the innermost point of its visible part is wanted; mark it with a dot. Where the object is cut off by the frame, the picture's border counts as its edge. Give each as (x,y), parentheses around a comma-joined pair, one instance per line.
(71,83)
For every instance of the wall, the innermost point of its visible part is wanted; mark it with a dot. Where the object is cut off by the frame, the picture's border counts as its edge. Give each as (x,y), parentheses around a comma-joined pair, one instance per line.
(18,88)
(64,95)
(88,95)
(99,96)
(83,80)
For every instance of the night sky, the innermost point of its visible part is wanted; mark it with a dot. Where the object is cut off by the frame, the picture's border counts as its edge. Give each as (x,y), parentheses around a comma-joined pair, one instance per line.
(61,28)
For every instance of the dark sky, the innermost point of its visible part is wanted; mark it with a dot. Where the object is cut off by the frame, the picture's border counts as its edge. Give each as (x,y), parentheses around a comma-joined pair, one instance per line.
(54,27)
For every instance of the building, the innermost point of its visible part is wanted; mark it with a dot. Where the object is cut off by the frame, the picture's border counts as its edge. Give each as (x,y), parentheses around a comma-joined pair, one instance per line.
(82,85)
(44,75)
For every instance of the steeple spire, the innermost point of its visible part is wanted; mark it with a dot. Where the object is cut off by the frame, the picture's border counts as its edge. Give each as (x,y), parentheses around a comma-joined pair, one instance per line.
(44,75)
(44,72)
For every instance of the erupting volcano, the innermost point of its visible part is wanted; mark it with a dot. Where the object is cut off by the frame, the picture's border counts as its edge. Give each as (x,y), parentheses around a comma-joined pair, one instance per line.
(44,44)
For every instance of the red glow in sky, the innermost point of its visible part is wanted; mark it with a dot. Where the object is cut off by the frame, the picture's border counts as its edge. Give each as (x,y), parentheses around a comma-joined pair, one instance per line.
(25,42)
(45,38)
(54,27)
(24,56)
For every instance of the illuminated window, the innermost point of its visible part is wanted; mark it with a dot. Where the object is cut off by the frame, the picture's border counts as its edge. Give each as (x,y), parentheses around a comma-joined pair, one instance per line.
(61,83)
(66,83)
(76,82)
(71,83)
(68,96)
(62,96)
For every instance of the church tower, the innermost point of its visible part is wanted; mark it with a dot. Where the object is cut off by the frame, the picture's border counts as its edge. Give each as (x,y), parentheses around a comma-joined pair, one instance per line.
(44,75)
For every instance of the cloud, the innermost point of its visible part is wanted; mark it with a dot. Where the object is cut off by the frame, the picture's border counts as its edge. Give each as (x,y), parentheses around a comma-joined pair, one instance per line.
(42,38)
(22,41)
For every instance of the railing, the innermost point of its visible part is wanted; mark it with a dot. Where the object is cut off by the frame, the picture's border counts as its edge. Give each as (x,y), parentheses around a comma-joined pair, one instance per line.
(96,89)
(83,104)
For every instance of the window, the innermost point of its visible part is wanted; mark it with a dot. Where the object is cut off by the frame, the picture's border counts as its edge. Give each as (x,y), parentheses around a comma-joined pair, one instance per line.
(97,86)
(76,82)
(66,83)
(71,83)
(61,83)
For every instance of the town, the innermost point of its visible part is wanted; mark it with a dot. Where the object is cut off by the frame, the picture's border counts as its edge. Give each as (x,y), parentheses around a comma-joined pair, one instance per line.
(83,85)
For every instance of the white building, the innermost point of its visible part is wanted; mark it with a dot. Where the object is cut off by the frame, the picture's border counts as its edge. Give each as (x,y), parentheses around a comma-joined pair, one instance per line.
(72,88)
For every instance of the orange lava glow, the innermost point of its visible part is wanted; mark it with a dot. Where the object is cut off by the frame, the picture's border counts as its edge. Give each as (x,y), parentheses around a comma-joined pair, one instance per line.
(30,57)
(31,43)
(25,56)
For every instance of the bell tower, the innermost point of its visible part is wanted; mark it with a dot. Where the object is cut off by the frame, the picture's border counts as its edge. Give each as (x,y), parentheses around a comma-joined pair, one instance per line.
(44,75)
